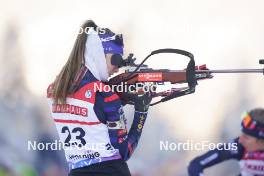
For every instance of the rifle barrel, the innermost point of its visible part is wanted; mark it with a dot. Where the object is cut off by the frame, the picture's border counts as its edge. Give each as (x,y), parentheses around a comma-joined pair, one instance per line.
(232,71)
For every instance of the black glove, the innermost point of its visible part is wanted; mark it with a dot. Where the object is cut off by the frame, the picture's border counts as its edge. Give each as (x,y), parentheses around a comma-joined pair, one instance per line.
(141,102)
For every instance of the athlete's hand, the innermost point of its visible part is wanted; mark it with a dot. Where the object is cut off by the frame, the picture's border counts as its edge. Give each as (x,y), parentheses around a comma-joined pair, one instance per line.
(141,102)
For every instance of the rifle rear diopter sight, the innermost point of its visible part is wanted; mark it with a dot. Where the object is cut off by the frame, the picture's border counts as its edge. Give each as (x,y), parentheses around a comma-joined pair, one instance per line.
(261,61)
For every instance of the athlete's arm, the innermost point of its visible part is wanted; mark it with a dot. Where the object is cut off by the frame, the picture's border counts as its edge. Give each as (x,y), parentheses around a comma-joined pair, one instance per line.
(109,110)
(198,164)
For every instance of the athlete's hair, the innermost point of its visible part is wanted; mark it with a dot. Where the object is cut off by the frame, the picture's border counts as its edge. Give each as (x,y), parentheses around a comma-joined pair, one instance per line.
(64,80)
(257,114)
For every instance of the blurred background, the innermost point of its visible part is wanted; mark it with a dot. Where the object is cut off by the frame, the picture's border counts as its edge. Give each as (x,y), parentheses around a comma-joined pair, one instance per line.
(36,38)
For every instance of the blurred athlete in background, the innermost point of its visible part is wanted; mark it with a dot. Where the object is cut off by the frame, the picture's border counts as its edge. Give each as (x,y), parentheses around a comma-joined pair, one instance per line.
(248,148)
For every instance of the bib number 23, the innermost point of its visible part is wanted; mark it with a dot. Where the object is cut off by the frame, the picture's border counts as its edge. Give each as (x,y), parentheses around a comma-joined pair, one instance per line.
(79,137)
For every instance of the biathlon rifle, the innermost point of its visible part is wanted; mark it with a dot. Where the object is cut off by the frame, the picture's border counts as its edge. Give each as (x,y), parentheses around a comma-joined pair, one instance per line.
(143,75)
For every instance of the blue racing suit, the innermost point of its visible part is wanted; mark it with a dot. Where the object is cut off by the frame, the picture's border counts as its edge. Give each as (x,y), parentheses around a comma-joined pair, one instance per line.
(109,110)
(251,163)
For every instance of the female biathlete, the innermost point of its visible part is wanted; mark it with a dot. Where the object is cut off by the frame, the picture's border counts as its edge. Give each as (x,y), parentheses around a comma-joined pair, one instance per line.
(91,122)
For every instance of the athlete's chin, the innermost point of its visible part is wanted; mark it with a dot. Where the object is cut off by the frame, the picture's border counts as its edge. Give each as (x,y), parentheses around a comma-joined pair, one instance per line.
(249,149)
